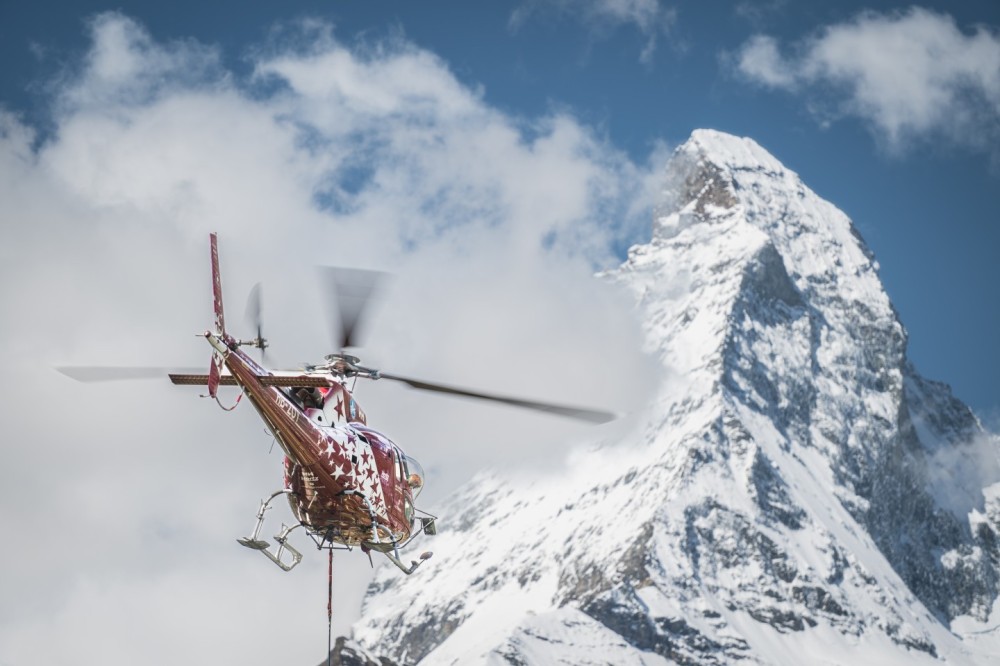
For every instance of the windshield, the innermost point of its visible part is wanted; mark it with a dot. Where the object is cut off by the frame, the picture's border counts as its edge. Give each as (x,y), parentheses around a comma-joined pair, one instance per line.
(414,475)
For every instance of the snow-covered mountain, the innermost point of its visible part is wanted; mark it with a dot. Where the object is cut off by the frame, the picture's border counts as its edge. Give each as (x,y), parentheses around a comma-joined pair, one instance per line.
(797,493)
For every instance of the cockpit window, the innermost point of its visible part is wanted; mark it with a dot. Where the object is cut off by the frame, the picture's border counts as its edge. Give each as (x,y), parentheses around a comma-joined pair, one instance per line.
(398,459)
(414,474)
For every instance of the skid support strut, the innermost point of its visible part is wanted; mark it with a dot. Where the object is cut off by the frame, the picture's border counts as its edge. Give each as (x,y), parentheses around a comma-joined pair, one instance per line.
(394,555)
(254,542)
(394,558)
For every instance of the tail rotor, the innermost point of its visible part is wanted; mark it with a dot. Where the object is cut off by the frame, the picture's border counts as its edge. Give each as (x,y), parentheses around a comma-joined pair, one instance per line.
(255,320)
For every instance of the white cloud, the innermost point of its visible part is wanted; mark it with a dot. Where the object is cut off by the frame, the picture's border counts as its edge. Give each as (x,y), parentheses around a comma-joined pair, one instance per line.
(758,11)
(126,499)
(650,17)
(957,475)
(910,75)
(125,65)
(760,61)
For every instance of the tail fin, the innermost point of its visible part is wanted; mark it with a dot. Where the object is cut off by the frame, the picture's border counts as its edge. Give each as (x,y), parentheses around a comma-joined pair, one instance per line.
(215,370)
(220,319)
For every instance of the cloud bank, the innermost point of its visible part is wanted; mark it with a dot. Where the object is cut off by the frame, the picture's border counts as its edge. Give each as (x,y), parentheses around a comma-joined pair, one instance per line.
(910,75)
(126,499)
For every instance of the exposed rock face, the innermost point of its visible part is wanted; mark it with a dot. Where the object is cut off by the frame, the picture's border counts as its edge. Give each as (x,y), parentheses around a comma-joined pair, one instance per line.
(796,492)
(348,653)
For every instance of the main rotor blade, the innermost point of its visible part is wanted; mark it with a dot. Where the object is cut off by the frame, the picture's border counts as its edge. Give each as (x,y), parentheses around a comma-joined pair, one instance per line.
(104,373)
(352,289)
(581,413)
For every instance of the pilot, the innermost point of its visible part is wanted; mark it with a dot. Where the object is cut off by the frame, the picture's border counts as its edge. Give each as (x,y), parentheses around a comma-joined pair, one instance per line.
(309,397)
(414,481)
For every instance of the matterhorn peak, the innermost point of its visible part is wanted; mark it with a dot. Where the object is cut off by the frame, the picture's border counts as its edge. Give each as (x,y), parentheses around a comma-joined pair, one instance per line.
(730,152)
(717,177)
(701,174)
(795,493)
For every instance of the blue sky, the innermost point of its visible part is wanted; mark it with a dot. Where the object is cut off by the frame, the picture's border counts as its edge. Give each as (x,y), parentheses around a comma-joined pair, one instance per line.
(485,135)
(642,72)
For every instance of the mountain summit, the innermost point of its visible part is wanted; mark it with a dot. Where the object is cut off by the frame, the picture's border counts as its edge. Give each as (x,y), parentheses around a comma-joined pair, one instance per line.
(796,493)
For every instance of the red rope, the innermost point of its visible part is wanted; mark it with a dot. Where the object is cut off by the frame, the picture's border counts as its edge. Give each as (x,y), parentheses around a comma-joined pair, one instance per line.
(229,409)
(329,610)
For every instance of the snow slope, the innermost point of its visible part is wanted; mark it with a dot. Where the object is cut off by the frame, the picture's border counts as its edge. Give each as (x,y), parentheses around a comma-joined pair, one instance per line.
(797,493)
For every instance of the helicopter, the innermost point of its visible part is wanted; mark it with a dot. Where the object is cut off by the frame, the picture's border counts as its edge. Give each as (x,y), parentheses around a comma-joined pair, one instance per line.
(348,485)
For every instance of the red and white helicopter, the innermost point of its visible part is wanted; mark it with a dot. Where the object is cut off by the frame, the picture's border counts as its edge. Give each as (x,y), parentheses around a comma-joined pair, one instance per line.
(348,484)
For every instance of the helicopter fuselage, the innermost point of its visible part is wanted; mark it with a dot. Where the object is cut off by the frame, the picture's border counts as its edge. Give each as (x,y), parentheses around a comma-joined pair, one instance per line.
(345,482)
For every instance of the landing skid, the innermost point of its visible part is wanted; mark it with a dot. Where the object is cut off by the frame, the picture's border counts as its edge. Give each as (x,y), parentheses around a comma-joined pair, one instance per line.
(278,555)
(254,542)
